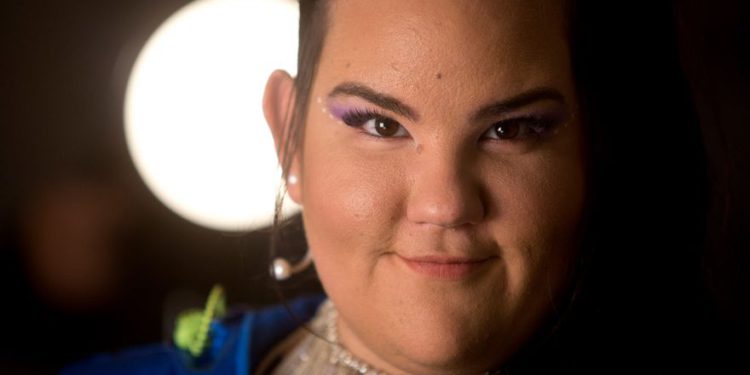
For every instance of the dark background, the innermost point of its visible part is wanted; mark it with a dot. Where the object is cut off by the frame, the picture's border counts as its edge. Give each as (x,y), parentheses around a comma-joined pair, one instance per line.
(91,261)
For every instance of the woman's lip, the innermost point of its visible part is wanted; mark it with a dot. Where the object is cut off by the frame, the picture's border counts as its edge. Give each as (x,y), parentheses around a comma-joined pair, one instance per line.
(449,268)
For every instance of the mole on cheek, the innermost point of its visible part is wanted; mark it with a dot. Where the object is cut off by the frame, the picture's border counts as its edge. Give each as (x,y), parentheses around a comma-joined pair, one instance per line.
(439,75)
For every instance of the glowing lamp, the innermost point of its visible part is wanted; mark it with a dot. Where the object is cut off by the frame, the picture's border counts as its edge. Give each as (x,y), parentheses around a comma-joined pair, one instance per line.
(193,119)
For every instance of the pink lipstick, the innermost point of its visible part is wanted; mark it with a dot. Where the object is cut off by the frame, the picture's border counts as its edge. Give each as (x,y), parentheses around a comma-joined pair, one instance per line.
(448,268)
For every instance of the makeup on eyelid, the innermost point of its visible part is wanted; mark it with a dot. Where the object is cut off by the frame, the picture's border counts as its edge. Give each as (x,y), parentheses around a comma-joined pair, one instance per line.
(526,125)
(339,111)
(541,125)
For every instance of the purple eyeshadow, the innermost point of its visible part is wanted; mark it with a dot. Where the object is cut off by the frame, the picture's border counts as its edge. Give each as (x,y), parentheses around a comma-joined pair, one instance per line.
(339,111)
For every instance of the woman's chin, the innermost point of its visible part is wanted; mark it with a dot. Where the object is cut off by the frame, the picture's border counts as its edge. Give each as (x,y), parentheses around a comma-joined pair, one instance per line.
(446,355)
(430,323)
(437,320)
(440,338)
(443,341)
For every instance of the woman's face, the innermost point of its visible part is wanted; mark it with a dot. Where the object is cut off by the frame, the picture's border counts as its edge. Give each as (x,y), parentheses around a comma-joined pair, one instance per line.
(442,177)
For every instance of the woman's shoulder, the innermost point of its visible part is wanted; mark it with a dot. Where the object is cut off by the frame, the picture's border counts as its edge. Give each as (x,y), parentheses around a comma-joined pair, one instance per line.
(238,342)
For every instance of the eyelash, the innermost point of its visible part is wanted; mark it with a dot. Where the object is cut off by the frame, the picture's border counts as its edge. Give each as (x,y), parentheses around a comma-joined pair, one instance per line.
(530,127)
(358,118)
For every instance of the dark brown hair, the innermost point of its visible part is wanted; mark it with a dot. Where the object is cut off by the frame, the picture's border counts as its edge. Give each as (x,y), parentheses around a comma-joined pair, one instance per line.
(313,23)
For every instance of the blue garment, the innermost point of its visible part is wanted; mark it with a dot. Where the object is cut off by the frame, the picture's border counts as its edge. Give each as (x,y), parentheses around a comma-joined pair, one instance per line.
(239,343)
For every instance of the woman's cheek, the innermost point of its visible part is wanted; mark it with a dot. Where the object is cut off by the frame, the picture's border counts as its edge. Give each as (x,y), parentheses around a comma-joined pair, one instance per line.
(350,202)
(544,218)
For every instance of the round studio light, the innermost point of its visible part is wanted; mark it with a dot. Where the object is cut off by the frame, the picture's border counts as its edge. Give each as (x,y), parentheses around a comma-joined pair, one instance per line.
(193,118)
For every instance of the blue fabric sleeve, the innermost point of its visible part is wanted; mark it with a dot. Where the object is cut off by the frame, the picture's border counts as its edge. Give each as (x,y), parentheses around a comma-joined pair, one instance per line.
(239,343)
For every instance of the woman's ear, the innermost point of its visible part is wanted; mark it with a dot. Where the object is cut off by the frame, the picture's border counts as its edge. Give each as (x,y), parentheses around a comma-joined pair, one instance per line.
(278,104)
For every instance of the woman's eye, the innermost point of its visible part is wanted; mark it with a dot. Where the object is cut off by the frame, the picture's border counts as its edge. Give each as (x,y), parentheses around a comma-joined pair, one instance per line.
(375,125)
(517,129)
(384,127)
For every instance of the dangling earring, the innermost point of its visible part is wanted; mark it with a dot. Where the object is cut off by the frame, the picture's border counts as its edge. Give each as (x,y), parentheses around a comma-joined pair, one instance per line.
(281,269)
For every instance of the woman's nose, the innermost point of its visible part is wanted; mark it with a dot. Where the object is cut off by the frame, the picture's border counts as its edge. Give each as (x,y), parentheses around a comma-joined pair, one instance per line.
(444,192)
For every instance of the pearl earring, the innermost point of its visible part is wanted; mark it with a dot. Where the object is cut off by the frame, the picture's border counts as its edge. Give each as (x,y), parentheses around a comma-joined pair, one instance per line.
(281,269)
(292,179)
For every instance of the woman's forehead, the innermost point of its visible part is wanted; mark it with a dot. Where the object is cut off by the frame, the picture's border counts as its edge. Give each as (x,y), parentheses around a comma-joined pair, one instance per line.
(469,46)
(463,21)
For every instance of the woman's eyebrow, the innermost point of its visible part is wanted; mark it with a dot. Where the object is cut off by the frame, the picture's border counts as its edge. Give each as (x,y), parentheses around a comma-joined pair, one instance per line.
(518,101)
(384,101)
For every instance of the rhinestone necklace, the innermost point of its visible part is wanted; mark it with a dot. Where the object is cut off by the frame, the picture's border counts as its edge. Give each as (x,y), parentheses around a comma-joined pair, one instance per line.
(339,355)
(324,356)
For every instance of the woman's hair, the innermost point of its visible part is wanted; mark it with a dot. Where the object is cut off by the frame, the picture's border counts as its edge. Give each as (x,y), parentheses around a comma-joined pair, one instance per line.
(313,24)
(636,297)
